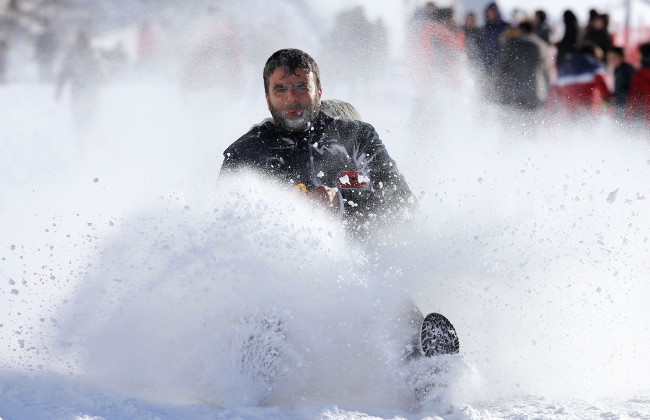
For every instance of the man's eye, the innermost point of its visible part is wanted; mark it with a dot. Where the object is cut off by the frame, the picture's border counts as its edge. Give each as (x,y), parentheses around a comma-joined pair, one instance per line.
(281,89)
(303,88)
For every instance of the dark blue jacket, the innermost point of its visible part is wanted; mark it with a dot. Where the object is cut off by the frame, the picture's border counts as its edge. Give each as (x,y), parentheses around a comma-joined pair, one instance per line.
(317,157)
(622,81)
(491,35)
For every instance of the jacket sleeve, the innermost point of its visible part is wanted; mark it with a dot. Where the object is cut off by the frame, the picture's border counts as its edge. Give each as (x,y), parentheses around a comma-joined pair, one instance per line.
(388,193)
(230,162)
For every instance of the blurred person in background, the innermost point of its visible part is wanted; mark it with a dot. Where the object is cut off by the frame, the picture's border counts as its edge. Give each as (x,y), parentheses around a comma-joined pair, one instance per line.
(4,50)
(148,45)
(522,70)
(542,29)
(638,103)
(593,14)
(45,49)
(82,70)
(598,33)
(571,39)
(352,48)
(580,87)
(473,39)
(493,28)
(623,72)
(423,15)
(379,45)
(214,60)
(441,45)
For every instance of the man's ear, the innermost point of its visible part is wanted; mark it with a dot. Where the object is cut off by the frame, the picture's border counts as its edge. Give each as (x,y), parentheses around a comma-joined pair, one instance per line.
(320,92)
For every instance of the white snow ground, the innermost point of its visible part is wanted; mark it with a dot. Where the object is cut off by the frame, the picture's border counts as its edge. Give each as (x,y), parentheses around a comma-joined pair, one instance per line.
(130,284)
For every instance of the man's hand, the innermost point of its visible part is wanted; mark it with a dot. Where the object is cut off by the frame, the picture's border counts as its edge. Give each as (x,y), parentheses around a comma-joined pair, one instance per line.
(327,195)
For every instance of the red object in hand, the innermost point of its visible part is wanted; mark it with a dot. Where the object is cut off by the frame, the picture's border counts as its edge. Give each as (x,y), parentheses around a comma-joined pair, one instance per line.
(351,179)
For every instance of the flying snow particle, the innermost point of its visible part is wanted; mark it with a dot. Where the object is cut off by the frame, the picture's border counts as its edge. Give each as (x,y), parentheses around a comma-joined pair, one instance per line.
(14,292)
(96,180)
(320,174)
(480,180)
(599,290)
(612,196)
(534,342)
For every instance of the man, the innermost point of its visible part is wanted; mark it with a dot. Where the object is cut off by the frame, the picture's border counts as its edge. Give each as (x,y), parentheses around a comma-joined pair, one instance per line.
(338,161)
(81,69)
(522,70)
(638,104)
(571,39)
(492,30)
(623,72)
(598,33)
(542,29)
(580,85)
(45,50)
(473,39)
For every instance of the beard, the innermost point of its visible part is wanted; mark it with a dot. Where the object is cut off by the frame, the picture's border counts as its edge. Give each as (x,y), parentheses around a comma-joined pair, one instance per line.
(295,125)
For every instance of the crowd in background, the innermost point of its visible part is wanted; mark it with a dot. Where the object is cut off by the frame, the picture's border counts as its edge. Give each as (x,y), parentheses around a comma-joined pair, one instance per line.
(520,64)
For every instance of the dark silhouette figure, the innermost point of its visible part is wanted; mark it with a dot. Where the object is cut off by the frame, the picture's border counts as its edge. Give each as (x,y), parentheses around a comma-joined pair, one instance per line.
(473,39)
(638,104)
(521,72)
(492,30)
(598,33)
(569,43)
(623,72)
(542,29)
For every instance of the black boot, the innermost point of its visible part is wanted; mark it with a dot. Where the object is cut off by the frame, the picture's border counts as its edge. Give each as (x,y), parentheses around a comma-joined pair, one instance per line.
(438,336)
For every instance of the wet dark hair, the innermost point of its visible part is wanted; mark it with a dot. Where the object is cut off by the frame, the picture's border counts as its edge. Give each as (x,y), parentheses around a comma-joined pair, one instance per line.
(526,27)
(591,49)
(569,18)
(290,59)
(644,49)
(618,51)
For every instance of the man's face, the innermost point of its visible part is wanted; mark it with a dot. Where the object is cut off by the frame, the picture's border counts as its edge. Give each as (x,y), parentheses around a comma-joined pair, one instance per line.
(293,99)
(598,24)
(613,59)
(491,15)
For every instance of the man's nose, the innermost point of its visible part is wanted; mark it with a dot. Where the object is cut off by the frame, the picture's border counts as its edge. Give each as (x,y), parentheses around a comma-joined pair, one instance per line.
(292,94)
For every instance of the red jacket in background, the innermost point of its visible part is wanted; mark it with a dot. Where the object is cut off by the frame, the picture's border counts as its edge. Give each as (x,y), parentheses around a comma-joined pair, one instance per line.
(580,85)
(638,103)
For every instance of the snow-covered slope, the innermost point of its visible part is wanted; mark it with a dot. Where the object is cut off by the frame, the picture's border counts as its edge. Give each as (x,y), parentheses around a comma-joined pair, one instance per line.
(131,285)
